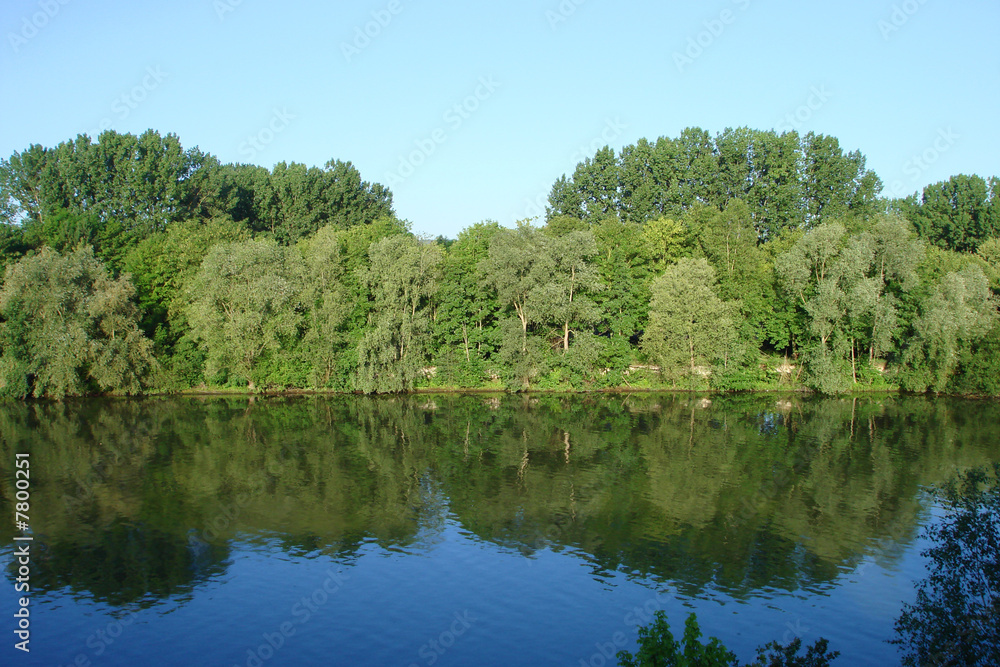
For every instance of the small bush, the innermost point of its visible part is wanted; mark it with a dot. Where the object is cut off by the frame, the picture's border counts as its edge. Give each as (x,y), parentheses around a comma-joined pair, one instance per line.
(658,648)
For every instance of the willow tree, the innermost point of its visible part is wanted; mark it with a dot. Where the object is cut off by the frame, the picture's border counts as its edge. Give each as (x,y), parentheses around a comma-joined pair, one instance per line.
(402,278)
(69,328)
(162,263)
(519,265)
(959,311)
(849,288)
(243,302)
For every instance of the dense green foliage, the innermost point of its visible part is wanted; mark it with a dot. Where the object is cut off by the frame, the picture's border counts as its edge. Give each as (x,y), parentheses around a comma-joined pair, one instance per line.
(69,328)
(788,181)
(748,260)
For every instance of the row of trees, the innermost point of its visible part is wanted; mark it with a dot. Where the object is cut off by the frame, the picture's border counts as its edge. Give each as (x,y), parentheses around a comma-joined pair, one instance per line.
(788,180)
(113,193)
(135,265)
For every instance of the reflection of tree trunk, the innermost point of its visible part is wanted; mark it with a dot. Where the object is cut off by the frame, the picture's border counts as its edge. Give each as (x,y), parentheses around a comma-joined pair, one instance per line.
(572,501)
(572,286)
(691,350)
(691,438)
(566,440)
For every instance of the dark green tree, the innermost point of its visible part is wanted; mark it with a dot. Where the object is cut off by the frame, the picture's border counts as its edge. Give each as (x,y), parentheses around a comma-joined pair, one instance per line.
(624,262)
(836,184)
(293,201)
(467,309)
(658,648)
(958,214)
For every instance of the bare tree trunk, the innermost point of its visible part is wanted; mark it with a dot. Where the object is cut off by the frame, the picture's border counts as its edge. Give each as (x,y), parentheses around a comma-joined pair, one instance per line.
(691,349)
(854,369)
(519,309)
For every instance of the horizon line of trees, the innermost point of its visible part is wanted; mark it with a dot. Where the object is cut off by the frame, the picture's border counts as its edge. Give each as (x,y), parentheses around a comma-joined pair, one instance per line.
(748,260)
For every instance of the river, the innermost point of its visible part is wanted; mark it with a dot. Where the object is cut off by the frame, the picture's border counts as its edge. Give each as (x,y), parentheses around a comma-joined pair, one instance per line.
(471,529)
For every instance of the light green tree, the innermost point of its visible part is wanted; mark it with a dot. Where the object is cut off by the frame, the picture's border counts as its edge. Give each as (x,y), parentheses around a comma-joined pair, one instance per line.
(564,297)
(989,251)
(958,312)
(328,304)
(807,263)
(848,286)
(518,265)
(665,240)
(690,327)
(161,264)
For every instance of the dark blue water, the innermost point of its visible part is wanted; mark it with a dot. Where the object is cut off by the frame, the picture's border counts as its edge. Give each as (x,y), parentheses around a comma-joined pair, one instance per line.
(461,530)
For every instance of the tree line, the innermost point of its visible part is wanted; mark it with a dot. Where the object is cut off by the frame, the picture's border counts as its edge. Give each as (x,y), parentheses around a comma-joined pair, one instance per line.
(747,260)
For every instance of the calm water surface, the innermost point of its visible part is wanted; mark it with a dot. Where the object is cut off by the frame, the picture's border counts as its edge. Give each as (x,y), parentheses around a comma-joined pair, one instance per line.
(461,530)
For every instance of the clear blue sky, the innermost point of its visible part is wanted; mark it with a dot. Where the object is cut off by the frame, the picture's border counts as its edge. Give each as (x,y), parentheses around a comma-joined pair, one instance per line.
(539,85)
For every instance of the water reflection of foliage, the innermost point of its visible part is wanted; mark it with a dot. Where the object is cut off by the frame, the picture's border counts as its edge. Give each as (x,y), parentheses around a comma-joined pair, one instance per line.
(738,492)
